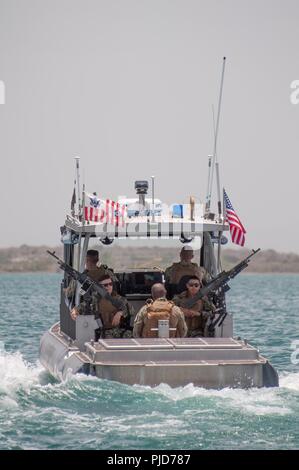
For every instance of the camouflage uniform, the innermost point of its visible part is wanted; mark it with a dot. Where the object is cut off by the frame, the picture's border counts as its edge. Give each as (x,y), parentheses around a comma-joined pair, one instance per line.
(105,310)
(204,310)
(142,317)
(175,272)
(95,274)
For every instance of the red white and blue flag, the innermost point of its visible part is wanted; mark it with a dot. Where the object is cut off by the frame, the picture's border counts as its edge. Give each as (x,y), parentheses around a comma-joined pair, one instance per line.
(236,228)
(103,211)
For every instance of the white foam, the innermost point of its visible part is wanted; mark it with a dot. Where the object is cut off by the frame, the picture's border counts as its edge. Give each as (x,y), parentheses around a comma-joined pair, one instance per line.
(8,403)
(289,380)
(258,401)
(16,373)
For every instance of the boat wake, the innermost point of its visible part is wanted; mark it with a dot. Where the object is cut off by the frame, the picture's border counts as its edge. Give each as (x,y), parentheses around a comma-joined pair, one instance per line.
(258,401)
(19,377)
(289,380)
(16,374)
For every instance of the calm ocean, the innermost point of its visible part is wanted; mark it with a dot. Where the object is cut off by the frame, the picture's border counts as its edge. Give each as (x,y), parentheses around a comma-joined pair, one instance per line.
(36,412)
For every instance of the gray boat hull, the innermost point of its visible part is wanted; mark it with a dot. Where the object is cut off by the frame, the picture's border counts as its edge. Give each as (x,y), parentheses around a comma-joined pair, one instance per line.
(205,362)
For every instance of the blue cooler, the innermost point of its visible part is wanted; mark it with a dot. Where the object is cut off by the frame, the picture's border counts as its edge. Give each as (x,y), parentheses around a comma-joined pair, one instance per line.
(177,211)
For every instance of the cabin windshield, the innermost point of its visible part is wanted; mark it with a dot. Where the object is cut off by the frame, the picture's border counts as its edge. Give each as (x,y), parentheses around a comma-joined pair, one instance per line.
(143,254)
(138,264)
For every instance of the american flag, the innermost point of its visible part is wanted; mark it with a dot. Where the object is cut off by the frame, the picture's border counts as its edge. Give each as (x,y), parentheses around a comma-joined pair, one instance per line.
(104,211)
(236,228)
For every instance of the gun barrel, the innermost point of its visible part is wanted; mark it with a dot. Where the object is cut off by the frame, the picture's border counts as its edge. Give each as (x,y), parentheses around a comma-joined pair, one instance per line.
(247,259)
(242,265)
(52,253)
(254,252)
(221,280)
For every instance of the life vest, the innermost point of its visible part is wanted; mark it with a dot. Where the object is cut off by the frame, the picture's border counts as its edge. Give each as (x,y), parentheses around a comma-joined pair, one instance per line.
(160,309)
(178,270)
(107,311)
(193,323)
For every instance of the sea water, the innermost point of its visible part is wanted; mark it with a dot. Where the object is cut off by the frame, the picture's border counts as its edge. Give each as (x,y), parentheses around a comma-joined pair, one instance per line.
(37,412)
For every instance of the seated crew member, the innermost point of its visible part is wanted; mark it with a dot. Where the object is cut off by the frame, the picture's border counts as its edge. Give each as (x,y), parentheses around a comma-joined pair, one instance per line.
(185,267)
(196,317)
(116,321)
(93,270)
(159,308)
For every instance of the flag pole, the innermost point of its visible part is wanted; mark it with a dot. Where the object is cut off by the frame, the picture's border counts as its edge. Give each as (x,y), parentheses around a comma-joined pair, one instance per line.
(83,204)
(220,219)
(219,252)
(218,191)
(78,184)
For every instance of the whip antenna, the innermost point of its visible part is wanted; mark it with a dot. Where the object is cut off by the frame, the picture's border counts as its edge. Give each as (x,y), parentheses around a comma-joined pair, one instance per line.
(214,159)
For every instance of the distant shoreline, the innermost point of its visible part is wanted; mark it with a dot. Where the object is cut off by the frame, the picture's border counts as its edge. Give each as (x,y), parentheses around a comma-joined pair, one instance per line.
(34,259)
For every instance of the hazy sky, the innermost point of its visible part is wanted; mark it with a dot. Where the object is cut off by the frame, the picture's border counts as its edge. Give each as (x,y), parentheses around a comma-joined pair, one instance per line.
(128,86)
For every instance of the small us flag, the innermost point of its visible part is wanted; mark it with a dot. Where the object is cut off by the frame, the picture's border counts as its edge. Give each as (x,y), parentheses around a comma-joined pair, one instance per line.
(104,211)
(236,228)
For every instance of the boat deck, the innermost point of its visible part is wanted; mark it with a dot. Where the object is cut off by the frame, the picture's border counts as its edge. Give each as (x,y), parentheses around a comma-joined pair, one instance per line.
(171,350)
(207,362)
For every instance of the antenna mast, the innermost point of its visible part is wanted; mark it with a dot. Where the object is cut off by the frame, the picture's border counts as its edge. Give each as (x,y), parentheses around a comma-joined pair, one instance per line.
(209,179)
(153,199)
(214,157)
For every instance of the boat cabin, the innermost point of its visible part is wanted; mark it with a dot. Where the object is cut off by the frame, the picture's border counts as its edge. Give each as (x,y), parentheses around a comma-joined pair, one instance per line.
(175,226)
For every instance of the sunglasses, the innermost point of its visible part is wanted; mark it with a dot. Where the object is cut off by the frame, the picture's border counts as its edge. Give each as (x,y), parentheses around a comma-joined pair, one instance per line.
(107,284)
(193,284)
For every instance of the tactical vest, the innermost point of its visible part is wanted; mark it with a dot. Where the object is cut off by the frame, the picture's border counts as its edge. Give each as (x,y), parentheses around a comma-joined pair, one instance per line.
(155,311)
(179,270)
(195,323)
(107,311)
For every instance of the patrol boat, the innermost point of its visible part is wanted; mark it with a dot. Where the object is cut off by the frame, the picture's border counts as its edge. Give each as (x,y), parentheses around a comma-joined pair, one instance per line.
(216,361)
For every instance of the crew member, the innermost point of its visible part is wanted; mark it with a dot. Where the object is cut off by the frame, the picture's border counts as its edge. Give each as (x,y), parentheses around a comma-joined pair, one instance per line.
(185,267)
(116,320)
(197,316)
(159,308)
(93,270)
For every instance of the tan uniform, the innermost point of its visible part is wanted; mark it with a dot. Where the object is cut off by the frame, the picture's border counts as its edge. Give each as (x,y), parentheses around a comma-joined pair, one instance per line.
(174,273)
(161,309)
(105,310)
(203,309)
